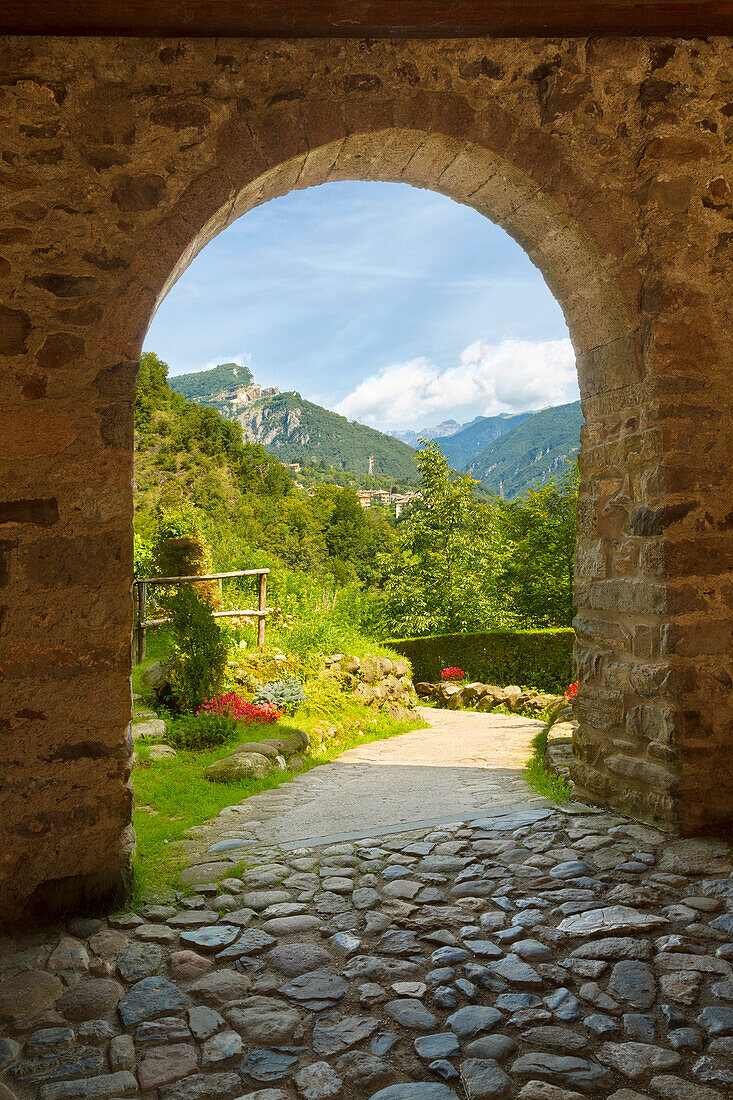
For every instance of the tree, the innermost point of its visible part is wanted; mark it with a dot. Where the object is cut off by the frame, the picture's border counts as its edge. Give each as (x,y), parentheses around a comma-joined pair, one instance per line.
(439,578)
(539,529)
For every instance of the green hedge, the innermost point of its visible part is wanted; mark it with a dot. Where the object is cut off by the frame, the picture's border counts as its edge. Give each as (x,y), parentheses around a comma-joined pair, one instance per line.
(531,658)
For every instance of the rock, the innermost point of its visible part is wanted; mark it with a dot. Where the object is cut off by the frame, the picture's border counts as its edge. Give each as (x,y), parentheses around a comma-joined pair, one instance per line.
(491,1046)
(563,1070)
(72,1062)
(269,1065)
(561,1038)
(411,1013)
(264,1021)
(44,1041)
(70,954)
(148,999)
(210,938)
(294,959)
(139,960)
(334,1033)
(484,1078)
(633,981)
(186,966)
(203,1021)
(472,1019)
(675,1088)
(204,1086)
(287,926)
(611,918)
(221,1049)
(162,1065)
(95,1088)
(363,1071)
(166,1029)
(90,999)
(220,987)
(156,678)
(252,765)
(697,856)
(636,1059)
(416,1090)
(107,943)
(161,752)
(27,994)
(441,1045)
(316,990)
(155,729)
(318,1082)
(716,1021)
(121,1052)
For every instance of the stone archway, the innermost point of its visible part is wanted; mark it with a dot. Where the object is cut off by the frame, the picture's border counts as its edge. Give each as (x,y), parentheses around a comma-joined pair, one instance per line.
(128,156)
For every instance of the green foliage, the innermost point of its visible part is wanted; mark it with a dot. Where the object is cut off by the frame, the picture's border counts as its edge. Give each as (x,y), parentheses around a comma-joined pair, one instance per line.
(535,450)
(143,556)
(199,650)
(435,580)
(179,548)
(546,784)
(203,731)
(540,527)
(535,658)
(287,695)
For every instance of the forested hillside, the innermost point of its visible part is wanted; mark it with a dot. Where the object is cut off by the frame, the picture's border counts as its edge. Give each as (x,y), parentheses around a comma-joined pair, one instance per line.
(205,386)
(296,430)
(190,461)
(533,451)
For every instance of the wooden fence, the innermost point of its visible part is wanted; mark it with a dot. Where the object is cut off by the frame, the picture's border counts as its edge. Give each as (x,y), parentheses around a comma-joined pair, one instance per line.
(141,603)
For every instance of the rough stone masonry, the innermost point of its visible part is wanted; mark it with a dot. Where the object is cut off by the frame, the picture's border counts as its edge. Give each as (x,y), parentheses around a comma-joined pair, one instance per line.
(607,159)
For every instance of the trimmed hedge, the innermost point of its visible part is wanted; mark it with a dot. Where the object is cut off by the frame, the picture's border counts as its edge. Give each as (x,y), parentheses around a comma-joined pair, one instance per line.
(531,658)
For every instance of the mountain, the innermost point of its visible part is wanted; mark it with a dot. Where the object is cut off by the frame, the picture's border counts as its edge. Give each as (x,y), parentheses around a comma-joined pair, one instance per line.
(533,450)
(463,447)
(204,386)
(296,430)
(440,431)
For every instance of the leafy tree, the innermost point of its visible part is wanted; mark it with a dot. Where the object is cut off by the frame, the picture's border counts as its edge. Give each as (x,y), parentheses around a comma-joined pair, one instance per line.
(438,578)
(199,650)
(539,531)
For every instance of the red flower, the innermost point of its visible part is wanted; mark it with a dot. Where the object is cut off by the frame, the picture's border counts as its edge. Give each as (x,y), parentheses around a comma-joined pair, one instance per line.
(453,673)
(572,691)
(243,711)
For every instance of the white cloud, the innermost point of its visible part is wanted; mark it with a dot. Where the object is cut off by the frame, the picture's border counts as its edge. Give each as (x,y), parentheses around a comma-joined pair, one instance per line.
(488,379)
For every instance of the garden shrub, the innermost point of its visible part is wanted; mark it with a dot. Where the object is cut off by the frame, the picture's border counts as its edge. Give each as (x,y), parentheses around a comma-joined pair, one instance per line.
(204,731)
(534,658)
(287,695)
(199,650)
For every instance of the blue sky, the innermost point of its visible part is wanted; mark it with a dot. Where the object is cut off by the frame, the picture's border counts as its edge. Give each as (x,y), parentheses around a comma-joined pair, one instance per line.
(394,306)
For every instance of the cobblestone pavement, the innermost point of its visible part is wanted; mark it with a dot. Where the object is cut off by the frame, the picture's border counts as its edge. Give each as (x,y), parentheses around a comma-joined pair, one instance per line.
(466,764)
(532,953)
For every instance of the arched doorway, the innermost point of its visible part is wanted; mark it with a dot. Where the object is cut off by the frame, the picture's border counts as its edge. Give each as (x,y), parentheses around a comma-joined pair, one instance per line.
(162,166)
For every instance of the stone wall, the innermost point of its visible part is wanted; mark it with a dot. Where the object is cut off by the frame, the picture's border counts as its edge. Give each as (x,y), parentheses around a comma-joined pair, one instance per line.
(608,160)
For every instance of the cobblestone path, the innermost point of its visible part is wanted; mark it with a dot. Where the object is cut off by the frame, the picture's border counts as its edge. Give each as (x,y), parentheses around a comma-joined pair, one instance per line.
(465,765)
(531,953)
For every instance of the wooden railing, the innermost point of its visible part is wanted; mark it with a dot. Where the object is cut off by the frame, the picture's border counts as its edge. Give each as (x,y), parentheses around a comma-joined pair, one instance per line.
(141,603)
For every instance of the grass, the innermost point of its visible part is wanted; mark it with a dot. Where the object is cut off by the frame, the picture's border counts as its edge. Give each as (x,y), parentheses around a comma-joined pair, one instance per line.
(172,795)
(545,783)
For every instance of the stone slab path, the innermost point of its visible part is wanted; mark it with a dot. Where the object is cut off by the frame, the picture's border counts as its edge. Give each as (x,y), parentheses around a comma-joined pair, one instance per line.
(530,953)
(465,765)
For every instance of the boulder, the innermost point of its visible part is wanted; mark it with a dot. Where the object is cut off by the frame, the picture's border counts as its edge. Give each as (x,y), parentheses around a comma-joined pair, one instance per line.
(351,664)
(156,678)
(384,666)
(364,694)
(512,696)
(264,748)
(154,730)
(446,692)
(487,702)
(162,752)
(425,690)
(369,670)
(242,765)
(401,667)
(471,693)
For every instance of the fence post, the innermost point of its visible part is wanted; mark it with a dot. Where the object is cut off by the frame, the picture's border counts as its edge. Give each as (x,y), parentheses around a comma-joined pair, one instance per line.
(262,607)
(142,606)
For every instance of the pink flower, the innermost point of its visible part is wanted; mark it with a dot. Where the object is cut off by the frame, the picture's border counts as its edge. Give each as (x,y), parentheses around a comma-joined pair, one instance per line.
(453,673)
(240,709)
